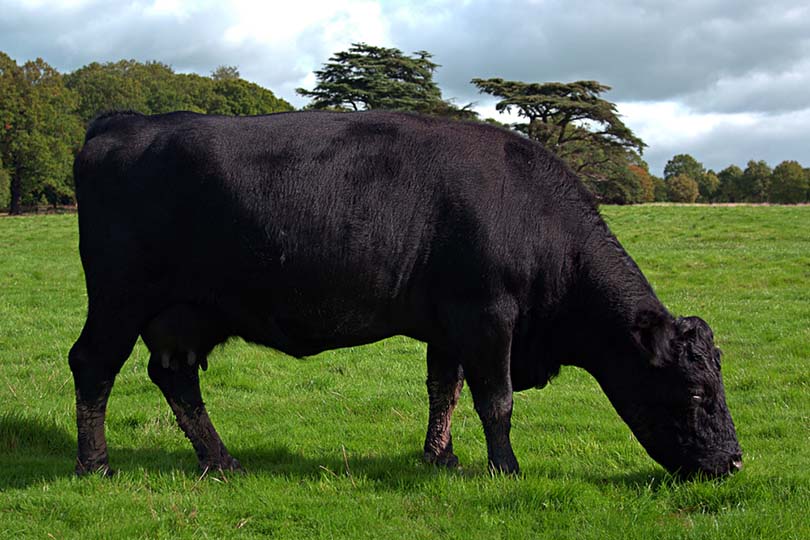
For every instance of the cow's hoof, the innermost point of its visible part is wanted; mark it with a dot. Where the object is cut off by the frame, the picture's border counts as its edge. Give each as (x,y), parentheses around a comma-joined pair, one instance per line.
(86,469)
(445,459)
(226,464)
(506,467)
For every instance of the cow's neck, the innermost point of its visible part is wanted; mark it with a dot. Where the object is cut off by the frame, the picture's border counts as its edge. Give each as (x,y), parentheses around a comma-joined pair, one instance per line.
(610,291)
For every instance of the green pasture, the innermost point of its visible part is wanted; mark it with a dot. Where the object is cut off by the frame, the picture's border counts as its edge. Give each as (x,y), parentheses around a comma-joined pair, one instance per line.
(331,445)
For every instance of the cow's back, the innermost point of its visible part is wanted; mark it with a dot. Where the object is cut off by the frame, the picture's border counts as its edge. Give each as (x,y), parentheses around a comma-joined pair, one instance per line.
(315,230)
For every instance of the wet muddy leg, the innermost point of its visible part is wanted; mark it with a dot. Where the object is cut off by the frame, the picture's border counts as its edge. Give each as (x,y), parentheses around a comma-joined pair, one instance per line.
(445,379)
(177,376)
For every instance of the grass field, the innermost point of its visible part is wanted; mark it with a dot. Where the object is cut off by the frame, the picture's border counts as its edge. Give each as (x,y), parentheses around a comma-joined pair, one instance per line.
(332,444)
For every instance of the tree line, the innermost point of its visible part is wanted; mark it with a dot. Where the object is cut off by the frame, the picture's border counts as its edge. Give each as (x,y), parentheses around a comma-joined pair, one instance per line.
(687,180)
(43,114)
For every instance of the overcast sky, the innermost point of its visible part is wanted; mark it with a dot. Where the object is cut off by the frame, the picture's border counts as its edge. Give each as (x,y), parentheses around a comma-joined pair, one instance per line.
(724,80)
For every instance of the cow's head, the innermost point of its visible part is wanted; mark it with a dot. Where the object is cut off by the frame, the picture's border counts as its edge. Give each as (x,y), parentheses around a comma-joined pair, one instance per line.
(674,400)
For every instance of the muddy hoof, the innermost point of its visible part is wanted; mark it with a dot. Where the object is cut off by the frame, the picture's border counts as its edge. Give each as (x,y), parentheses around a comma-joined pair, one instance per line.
(86,469)
(506,467)
(445,459)
(227,464)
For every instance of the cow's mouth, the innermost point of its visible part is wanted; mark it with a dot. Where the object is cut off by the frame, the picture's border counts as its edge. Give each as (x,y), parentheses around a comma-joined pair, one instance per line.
(722,465)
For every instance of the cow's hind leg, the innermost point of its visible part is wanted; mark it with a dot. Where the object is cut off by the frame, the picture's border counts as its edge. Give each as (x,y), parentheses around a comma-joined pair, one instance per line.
(444,382)
(95,359)
(177,376)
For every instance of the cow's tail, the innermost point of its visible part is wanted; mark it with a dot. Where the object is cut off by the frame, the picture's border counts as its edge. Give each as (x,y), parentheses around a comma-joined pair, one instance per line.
(103,121)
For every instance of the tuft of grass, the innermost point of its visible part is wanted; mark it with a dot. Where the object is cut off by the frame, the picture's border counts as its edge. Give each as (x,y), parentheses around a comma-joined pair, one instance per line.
(332,444)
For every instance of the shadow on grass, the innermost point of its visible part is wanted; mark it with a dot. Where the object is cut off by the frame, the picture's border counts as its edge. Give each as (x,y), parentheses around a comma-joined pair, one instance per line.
(34,451)
(652,479)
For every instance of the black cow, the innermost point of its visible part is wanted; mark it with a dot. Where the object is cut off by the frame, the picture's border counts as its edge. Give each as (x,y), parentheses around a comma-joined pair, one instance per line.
(311,231)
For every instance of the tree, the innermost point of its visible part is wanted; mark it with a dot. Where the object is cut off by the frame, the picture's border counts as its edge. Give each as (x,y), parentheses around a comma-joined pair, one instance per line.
(789,184)
(153,87)
(107,87)
(41,133)
(369,77)
(807,179)
(645,181)
(684,164)
(660,189)
(4,187)
(224,73)
(730,189)
(163,89)
(755,181)
(240,97)
(13,92)
(571,120)
(682,188)
(620,185)
(42,115)
(52,136)
(709,186)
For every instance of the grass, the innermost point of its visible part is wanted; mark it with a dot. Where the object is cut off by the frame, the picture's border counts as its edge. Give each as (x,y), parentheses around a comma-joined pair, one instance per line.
(332,444)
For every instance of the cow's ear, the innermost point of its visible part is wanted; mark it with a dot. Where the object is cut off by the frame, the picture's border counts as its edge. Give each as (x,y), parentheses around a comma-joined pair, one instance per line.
(653,331)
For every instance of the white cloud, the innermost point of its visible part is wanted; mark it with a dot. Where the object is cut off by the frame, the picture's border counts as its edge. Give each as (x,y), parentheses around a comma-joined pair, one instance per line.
(759,90)
(717,139)
(670,123)
(175,8)
(281,24)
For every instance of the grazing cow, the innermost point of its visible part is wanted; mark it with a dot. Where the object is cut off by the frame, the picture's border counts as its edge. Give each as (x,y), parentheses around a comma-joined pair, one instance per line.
(311,231)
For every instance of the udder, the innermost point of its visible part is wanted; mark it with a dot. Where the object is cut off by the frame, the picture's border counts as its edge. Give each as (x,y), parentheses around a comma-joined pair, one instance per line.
(184,333)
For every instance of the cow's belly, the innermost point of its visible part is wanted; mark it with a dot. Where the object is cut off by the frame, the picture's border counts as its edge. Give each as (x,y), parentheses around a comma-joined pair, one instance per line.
(304,328)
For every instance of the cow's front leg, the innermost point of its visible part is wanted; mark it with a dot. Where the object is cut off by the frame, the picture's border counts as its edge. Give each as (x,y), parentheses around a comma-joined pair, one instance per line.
(444,382)
(482,339)
(177,377)
(486,361)
(493,403)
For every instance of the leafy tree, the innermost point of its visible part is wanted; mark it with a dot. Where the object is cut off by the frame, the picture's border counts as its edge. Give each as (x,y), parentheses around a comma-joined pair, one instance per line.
(571,120)
(368,77)
(660,189)
(708,185)
(683,164)
(4,187)
(807,178)
(224,73)
(755,181)
(240,97)
(645,181)
(163,89)
(789,184)
(42,114)
(153,87)
(730,189)
(12,91)
(619,186)
(682,188)
(623,184)
(41,133)
(106,87)
(52,136)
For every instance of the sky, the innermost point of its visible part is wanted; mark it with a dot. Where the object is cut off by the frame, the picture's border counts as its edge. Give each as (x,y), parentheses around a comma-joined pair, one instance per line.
(726,81)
